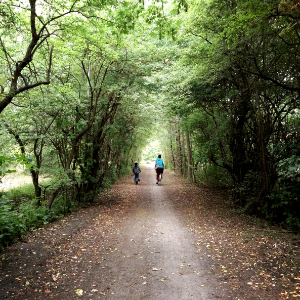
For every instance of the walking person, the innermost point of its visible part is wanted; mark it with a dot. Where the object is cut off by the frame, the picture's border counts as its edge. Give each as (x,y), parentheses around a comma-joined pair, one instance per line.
(159,167)
(136,171)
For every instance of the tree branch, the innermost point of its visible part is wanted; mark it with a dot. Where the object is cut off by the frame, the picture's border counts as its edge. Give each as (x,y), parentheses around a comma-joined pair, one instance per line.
(7,56)
(201,37)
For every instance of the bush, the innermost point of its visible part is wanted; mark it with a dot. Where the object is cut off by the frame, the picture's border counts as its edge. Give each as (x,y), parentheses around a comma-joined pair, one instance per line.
(11,225)
(285,199)
(33,216)
(213,176)
(63,205)
(286,206)
(21,194)
(14,223)
(110,178)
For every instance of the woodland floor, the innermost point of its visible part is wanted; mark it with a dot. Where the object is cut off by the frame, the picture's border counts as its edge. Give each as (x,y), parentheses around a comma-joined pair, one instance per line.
(174,241)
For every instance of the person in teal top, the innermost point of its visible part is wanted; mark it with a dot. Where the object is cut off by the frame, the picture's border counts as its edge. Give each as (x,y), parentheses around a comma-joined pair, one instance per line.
(159,167)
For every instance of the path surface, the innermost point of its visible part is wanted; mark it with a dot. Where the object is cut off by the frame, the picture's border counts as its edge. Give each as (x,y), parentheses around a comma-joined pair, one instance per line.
(173,241)
(157,258)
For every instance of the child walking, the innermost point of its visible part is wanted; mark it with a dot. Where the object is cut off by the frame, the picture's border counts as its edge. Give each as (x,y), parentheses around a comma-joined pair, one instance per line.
(136,171)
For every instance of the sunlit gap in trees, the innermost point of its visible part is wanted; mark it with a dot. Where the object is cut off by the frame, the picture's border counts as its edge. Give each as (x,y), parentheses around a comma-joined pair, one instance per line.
(152,150)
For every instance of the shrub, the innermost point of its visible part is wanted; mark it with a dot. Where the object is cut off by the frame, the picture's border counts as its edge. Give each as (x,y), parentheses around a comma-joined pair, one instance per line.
(213,176)
(33,216)
(21,194)
(11,225)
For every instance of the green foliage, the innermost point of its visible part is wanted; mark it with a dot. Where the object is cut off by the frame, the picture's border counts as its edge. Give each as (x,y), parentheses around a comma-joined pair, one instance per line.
(4,166)
(285,207)
(219,82)
(285,197)
(289,168)
(94,110)
(7,162)
(152,149)
(110,178)
(21,194)
(15,221)
(212,176)
(33,216)
(11,225)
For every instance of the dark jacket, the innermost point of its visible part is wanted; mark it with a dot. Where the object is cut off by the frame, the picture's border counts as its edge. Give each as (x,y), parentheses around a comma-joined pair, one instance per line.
(135,169)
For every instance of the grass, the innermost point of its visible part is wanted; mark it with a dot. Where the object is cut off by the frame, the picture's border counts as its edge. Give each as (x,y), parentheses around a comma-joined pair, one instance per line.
(21,194)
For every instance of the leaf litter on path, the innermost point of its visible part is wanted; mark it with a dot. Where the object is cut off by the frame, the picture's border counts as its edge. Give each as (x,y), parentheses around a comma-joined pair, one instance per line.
(247,255)
(249,258)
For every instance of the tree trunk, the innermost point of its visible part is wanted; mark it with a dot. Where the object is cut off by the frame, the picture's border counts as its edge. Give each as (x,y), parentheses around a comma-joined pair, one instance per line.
(190,163)
(179,152)
(53,196)
(34,173)
(67,167)
(183,155)
(37,188)
(172,153)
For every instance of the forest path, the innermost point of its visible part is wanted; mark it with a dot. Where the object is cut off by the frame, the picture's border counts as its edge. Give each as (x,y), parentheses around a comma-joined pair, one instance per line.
(155,256)
(174,241)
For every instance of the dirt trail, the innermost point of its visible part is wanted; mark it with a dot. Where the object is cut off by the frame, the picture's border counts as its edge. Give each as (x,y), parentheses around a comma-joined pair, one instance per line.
(157,258)
(173,241)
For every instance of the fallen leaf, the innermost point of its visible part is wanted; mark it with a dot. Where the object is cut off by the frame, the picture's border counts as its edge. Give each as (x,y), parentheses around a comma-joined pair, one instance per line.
(79,292)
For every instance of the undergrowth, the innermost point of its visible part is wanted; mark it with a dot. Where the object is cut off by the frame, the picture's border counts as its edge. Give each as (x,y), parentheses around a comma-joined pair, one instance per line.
(19,212)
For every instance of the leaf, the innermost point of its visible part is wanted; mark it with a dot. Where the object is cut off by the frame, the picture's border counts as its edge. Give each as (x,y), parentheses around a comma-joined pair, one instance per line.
(79,292)
(54,278)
